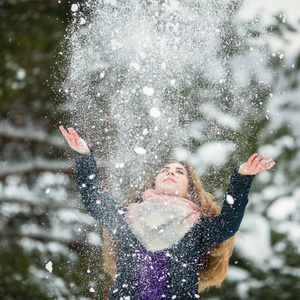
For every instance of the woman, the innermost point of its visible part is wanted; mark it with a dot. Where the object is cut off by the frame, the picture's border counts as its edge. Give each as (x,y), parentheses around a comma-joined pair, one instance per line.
(174,240)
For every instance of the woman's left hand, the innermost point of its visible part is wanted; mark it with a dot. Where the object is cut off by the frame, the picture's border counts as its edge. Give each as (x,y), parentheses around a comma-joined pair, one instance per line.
(256,164)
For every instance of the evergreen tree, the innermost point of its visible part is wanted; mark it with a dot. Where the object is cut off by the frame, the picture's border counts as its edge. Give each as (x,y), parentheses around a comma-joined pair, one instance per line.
(273,267)
(42,231)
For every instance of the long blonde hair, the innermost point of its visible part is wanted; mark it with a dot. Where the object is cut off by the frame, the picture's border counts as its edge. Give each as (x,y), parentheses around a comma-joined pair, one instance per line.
(213,264)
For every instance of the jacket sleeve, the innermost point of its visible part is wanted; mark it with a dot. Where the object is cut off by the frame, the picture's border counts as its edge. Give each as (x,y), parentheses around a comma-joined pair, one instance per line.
(109,213)
(216,230)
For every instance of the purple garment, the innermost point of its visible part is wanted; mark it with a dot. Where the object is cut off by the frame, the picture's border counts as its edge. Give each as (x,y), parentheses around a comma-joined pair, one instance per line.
(151,275)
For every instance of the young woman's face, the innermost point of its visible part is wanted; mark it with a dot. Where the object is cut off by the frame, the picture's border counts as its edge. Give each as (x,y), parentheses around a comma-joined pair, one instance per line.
(173,180)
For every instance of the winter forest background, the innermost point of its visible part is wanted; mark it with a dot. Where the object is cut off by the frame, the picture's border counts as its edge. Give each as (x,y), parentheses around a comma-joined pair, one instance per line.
(210,82)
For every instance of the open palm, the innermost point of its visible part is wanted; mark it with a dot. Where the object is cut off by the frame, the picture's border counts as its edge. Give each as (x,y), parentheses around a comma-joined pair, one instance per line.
(74,141)
(256,164)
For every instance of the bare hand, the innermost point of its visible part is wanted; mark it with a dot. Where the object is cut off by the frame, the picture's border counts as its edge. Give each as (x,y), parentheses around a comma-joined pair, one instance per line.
(256,164)
(74,141)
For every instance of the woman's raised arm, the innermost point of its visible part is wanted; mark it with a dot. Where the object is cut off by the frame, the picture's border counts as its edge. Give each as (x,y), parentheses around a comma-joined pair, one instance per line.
(220,228)
(106,211)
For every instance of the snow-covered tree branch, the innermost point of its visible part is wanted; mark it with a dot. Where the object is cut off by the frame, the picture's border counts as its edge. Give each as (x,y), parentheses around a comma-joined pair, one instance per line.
(46,205)
(43,237)
(36,165)
(30,134)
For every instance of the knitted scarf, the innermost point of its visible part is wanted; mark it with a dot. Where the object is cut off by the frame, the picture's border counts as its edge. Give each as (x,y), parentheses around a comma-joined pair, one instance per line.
(160,220)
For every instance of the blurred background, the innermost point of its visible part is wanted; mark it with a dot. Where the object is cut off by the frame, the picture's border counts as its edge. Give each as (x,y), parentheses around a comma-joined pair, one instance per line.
(210,82)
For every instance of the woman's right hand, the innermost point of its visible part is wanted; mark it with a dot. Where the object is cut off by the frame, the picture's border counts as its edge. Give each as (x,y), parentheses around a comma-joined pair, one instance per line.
(74,141)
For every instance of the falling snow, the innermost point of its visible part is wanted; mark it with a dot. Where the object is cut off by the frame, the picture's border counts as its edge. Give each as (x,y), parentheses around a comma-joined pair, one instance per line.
(74,7)
(230,199)
(49,266)
(146,61)
(154,112)
(149,91)
(140,150)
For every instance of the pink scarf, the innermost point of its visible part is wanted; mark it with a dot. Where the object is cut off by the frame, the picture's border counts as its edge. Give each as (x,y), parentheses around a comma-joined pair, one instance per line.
(161,220)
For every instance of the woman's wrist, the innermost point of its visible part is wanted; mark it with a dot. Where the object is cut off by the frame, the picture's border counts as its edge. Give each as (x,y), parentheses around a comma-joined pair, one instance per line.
(86,151)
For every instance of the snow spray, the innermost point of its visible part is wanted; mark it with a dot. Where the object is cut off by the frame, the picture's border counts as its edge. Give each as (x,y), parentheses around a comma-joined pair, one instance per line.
(129,64)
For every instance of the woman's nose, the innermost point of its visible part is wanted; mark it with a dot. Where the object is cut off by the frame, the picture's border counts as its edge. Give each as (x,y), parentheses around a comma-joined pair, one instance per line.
(170,172)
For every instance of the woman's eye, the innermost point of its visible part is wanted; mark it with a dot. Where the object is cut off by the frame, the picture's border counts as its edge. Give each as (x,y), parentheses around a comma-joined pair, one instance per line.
(163,171)
(180,172)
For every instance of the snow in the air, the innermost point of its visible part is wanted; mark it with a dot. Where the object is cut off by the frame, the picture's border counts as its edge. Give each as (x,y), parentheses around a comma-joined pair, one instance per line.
(149,91)
(145,131)
(49,266)
(154,112)
(135,66)
(140,150)
(74,7)
(230,199)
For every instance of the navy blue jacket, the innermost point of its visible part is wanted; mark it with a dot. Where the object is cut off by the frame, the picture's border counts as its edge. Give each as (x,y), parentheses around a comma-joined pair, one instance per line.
(183,257)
